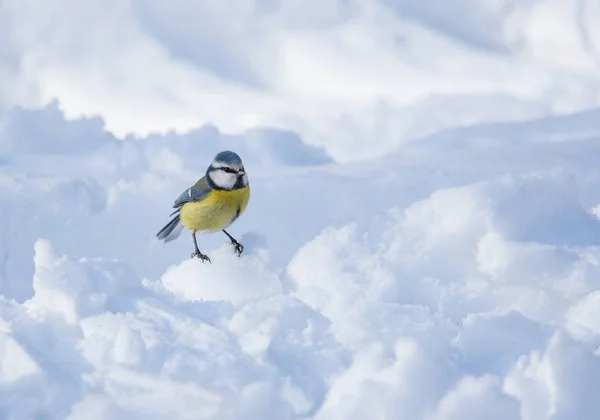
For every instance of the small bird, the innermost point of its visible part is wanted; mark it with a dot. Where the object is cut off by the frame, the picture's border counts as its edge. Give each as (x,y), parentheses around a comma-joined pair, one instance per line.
(212,204)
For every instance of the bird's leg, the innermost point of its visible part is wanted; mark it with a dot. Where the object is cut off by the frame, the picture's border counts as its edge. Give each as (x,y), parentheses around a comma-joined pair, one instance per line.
(197,253)
(239,248)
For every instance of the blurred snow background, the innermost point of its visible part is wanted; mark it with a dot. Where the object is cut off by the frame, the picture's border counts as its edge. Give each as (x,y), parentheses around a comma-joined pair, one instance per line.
(422,239)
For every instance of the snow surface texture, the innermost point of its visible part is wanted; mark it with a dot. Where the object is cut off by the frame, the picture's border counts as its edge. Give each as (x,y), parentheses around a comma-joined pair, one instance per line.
(455,276)
(354,76)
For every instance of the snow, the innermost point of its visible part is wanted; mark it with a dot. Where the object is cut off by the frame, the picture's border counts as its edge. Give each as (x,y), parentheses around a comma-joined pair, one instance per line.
(422,239)
(306,66)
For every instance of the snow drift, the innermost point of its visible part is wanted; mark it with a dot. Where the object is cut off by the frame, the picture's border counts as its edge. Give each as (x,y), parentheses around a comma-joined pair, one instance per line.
(469,289)
(422,240)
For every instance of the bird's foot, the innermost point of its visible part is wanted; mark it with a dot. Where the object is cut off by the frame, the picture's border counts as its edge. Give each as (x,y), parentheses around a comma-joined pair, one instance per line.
(200,255)
(239,248)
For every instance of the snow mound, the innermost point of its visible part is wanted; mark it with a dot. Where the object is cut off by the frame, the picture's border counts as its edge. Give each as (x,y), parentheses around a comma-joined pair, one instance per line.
(444,309)
(385,274)
(227,277)
(95,338)
(73,290)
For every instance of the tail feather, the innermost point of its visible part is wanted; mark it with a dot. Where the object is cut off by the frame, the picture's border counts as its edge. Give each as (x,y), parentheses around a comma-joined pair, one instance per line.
(171,230)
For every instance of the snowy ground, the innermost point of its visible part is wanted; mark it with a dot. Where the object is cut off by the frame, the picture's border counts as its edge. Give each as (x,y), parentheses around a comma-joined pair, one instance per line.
(422,240)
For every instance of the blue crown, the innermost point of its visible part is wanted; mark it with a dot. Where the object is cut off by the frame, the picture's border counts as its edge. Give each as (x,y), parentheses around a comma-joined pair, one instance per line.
(228,157)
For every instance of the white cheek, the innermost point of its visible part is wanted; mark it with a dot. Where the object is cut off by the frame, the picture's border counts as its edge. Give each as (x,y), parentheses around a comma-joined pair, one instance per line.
(245,179)
(223,179)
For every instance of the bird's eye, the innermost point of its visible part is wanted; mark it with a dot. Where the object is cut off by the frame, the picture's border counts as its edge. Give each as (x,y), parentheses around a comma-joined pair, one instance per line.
(229,170)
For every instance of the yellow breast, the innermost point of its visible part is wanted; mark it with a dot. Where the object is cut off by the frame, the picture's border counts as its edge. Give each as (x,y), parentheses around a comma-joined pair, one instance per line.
(217,211)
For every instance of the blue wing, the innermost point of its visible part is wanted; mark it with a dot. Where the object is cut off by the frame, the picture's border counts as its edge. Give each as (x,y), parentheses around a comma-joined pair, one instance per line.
(197,192)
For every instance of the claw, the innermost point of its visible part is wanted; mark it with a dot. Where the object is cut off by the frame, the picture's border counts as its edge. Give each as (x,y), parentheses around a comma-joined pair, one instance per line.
(200,255)
(239,248)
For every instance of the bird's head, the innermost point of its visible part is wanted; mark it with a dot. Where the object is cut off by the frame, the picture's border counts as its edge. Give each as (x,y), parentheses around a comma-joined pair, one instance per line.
(226,172)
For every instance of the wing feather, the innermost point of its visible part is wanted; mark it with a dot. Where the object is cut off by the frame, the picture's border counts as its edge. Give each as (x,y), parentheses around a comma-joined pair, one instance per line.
(197,192)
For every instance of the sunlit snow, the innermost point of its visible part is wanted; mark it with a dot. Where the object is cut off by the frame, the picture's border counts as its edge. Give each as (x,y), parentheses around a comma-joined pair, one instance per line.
(422,239)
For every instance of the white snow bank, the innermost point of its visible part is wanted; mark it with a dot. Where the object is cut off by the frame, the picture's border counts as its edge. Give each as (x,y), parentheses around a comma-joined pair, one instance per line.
(556,382)
(321,68)
(448,308)
(456,278)
(458,251)
(471,286)
(71,290)
(98,340)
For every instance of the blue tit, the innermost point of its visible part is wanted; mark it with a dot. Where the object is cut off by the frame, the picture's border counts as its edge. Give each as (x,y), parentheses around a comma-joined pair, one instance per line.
(212,204)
